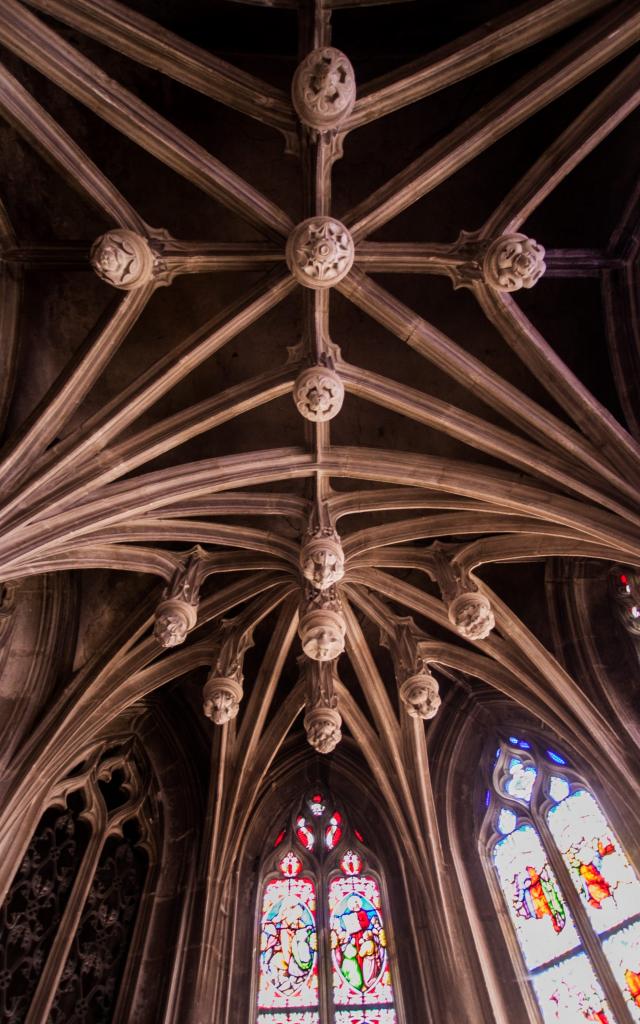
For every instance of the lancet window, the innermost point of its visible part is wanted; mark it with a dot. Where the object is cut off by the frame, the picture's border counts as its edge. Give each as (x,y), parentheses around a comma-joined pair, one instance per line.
(323,950)
(68,919)
(571,892)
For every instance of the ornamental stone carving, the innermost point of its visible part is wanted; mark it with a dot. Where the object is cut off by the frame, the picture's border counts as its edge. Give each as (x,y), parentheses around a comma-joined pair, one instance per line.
(319,252)
(323,728)
(174,619)
(324,89)
(420,695)
(322,558)
(318,393)
(177,613)
(322,634)
(513,262)
(471,614)
(123,259)
(221,698)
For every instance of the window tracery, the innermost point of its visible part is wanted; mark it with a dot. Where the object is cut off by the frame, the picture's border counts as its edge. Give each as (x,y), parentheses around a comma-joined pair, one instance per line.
(68,919)
(571,892)
(323,948)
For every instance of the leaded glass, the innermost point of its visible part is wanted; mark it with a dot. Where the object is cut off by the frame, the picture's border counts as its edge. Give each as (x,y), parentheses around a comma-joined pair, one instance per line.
(289,1018)
(558,788)
(288,944)
(539,914)
(570,993)
(506,821)
(599,869)
(519,782)
(387,1016)
(361,975)
(333,831)
(622,950)
(304,833)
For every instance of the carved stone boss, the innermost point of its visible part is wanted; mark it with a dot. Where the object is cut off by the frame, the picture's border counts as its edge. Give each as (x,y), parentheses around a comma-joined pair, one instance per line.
(319,252)
(318,393)
(322,557)
(177,613)
(322,721)
(469,610)
(123,258)
(418,688)
(323,91)
(322,627)
(223,690)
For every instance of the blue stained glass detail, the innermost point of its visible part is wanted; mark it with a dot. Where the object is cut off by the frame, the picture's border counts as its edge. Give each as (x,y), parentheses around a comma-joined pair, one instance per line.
(487,798)
(514,740)
(555,757)
(524,745)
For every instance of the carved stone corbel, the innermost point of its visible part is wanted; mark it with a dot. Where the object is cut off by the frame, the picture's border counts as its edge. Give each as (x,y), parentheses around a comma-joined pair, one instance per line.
(322,720)
(418,688)
(322,627)
(469,610)
(323,90)
(321,554)
(177,613)
(222,692)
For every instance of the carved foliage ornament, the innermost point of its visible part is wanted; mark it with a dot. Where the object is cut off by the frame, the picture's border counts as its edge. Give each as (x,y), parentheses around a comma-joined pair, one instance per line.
(513,262)
(471,614)
(319,252)
(123,259)
(324,89)
(318,393)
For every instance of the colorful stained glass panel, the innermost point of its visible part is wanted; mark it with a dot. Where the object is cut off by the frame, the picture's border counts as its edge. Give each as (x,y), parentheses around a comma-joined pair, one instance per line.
(570,993)
(387,1016)
(304,833)
(361,974)
(623,953)
(288,945)
(539,914)
(288,1018)
(558,788)
(599,868)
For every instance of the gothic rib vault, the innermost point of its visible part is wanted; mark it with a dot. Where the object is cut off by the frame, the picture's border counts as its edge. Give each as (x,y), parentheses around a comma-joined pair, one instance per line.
(112,460)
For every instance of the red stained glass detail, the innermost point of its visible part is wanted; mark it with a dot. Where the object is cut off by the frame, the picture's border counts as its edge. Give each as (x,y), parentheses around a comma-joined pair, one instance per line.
(351,863)
(358,835)
(290,865)
(624,580)
(280,837)
(304,833)
(333,831)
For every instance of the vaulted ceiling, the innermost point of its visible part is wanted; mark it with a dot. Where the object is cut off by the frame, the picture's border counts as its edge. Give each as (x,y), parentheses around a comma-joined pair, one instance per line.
(148,377)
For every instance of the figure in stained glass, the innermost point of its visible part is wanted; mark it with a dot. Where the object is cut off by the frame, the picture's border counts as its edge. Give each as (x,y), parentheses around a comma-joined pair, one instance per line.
(538,896)
(288,944)
(358,941)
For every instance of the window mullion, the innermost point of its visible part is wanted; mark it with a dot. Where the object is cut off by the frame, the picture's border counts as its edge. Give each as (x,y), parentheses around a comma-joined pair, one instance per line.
(325,981)
(589,938)
(50,978)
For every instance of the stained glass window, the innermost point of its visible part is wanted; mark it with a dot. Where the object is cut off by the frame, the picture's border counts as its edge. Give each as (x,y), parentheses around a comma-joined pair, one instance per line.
(288,945)
(317,879)
(572,894)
